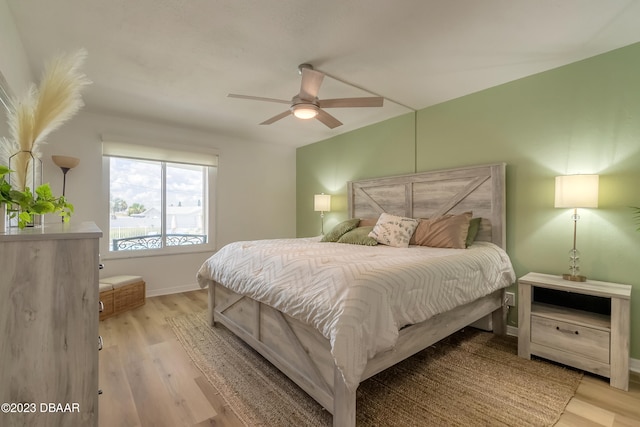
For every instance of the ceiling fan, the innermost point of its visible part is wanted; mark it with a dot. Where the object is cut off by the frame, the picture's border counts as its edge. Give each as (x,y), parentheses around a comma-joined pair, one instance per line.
(306,105)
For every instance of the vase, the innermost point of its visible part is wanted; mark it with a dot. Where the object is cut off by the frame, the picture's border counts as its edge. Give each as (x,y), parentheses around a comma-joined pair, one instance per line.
(12,220)
(28,170)
(3,217)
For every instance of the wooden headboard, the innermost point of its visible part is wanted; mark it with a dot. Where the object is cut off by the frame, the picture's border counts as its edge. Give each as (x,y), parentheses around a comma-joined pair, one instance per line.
(480,189)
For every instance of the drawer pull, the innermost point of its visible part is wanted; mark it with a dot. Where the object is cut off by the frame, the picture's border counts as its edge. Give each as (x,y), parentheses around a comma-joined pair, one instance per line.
(566,331)
(99,343)
(100,306)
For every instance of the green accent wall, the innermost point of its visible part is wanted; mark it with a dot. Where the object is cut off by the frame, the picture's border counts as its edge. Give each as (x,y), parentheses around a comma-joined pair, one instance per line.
(383,149)
(580,118)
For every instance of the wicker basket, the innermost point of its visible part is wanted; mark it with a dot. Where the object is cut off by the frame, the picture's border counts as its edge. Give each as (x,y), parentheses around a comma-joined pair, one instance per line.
(128,297)
(106,297)
(128,292)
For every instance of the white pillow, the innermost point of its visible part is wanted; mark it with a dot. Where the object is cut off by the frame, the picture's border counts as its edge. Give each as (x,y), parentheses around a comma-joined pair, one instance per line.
(394,230)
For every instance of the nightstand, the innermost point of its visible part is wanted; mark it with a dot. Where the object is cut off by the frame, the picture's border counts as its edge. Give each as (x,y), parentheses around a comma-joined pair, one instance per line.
(580,324)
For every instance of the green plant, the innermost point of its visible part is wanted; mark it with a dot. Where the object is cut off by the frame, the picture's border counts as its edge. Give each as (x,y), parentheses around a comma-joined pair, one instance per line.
(24,204)
(5,187)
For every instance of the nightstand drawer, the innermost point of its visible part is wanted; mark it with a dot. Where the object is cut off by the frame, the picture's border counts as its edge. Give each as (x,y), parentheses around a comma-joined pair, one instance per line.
(580,340)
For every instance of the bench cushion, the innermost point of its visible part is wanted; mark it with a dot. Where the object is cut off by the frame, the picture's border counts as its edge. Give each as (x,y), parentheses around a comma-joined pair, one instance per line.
(106,287)
(120,281)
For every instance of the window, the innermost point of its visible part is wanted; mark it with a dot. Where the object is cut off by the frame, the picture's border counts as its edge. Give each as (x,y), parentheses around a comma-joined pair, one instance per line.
(156,206)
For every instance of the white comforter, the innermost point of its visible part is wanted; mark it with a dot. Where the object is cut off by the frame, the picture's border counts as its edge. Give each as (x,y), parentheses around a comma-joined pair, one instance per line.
(358,297)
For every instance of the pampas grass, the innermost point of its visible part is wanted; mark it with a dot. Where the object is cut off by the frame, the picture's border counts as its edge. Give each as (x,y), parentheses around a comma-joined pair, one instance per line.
(42,110)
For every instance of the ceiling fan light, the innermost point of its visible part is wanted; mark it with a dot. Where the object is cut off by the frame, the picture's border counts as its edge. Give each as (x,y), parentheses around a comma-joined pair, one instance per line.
(305,111)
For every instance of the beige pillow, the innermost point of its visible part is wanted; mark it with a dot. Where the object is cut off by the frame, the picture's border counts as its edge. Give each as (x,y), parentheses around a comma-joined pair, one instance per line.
(367,222)
(448,231)
(394,230)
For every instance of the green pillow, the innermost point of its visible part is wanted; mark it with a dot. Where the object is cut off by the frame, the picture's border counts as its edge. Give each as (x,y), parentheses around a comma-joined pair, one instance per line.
(340,229)
(474,227)
(359,236)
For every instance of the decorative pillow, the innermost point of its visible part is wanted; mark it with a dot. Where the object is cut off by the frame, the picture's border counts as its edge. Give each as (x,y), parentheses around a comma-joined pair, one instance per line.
(474,227)
(394,230)
(359,236)
(340,229)
(366,222)
(447,231)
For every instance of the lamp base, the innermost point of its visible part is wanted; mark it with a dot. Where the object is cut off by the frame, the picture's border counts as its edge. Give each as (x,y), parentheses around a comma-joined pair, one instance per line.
(573,278)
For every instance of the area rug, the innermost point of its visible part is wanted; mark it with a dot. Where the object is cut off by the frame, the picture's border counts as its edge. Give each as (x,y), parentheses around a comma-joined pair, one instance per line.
(471,378)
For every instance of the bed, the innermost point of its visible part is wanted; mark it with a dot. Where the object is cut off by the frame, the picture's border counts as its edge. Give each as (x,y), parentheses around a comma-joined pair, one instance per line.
(370,307)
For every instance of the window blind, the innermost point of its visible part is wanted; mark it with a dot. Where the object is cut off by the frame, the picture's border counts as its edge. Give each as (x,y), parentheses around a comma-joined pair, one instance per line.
(193,155)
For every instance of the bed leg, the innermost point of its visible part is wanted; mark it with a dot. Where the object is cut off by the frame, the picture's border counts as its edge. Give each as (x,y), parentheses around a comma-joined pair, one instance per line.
(499,320)
(212,304)
(344,402)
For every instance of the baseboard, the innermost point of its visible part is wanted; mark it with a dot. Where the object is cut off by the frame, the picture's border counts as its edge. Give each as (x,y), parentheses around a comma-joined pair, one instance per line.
(173,290)
(634,364)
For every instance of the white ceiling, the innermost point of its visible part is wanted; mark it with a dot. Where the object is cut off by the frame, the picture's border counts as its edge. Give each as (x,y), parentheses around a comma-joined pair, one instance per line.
(176,60)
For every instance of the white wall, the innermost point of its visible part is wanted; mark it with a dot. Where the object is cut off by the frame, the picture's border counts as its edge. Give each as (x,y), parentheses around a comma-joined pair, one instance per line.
(13,60)
(255,191)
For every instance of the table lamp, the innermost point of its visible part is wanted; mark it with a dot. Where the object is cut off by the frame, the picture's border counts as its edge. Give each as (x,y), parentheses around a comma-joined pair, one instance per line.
(322,204)
(576,191)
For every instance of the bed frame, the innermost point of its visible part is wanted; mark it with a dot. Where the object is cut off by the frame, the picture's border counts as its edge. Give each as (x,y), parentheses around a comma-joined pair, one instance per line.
(303,354)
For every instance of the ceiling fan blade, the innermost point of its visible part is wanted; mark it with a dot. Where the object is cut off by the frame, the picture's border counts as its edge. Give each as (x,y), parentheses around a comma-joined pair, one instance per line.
(311,81)
(276,118)
(258,98)
(371,101)
(329,121)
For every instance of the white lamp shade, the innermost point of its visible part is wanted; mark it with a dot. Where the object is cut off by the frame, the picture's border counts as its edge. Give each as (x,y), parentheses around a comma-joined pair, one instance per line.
(65,161)
(577,191)
(322,202)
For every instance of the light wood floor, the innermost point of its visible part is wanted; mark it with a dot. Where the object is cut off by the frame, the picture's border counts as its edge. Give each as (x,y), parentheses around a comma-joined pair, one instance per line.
(148,380)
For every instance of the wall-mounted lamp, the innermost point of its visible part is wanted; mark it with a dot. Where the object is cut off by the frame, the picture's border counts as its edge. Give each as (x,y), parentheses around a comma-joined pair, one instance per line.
(66,163)
(322,204)
(576,191)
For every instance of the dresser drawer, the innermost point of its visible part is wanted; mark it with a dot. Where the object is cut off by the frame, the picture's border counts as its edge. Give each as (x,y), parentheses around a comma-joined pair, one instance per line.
(581,340)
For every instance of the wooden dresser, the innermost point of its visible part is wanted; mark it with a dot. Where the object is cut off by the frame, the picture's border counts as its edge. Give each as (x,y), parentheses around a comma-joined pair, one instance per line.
(49,325)
(581,324)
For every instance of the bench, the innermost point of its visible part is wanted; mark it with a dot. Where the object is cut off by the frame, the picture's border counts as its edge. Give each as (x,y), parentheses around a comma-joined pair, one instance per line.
(121,293)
